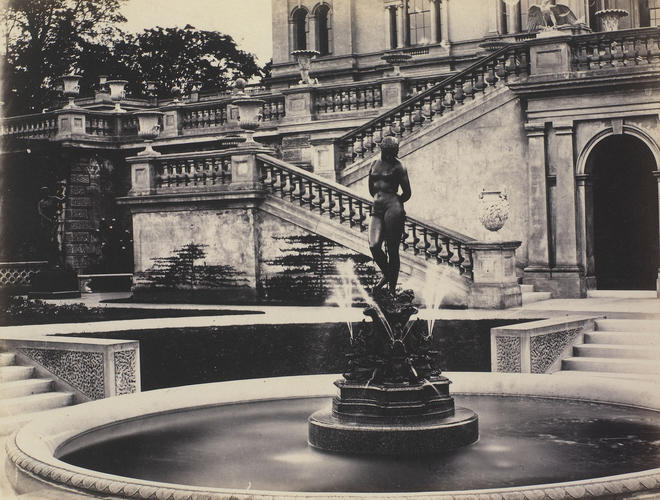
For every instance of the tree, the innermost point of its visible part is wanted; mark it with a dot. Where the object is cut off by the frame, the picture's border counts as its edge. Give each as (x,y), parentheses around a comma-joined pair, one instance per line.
(184,58)
(44,40)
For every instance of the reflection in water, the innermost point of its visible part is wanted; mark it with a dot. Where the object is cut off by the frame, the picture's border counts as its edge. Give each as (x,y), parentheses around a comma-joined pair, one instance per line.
(263,446)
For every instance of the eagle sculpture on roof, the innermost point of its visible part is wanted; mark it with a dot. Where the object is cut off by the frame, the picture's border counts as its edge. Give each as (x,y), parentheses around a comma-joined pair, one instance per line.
(549,14)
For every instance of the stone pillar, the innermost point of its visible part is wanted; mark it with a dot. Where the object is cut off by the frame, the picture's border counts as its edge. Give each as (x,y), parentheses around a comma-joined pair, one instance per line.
(537,225)
(656,174)
(581,222)
(493,17)
(172,122)
(312,41)
(245,169)
(513,17)
(401,39)
(143,175)
(435,27)
(323,158)
(299,103)
(388,28)
(393,91)
(495,284)
(566,272)
(552,57)
(444,23)
(70,123)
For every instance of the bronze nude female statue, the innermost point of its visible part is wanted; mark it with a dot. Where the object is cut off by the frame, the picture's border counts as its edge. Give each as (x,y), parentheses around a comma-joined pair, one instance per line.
(386,175)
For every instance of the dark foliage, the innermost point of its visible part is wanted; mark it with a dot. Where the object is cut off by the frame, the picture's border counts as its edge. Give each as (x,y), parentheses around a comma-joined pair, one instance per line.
(21,311)
(307,269)
(183,270)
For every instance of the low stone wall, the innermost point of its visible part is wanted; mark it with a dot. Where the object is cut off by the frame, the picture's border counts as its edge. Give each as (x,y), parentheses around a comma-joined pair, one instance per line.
(18,275)
(91,368)
(537,347)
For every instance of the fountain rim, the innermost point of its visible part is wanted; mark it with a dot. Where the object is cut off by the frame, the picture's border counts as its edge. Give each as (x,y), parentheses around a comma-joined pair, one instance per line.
(32,450)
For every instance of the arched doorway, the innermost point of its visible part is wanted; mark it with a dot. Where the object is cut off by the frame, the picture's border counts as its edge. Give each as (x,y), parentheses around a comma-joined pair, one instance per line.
(623,217)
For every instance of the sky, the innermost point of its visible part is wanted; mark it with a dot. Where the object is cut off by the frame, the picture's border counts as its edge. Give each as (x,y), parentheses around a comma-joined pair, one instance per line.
(247,21)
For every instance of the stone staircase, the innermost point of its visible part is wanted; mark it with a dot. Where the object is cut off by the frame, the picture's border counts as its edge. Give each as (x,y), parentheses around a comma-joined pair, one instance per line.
(23,395)
(529,295)
(623,348)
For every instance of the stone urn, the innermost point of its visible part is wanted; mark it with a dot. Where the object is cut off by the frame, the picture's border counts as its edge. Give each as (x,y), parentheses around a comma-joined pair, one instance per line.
(71,88)
(304,60)
(493,209)
(117,92)
(148,129)
(396,59)
(249,111)
(609,18)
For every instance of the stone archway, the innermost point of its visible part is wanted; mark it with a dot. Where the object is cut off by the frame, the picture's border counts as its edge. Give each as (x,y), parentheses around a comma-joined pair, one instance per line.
(622,214)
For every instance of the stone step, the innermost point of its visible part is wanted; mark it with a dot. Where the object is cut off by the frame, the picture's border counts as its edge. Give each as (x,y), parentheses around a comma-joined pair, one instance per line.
(617,351)
(531,297)
(35,403)
(7,358)
(612,365)
(526,288)
(10,373)
(626,338)
(627,376)
(622,294)
(19,388)
(628,325)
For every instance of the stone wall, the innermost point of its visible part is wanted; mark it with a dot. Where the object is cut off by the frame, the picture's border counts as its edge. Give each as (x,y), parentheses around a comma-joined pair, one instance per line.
(448,174)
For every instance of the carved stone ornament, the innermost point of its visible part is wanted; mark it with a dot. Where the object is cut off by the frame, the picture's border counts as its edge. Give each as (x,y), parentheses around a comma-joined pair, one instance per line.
(493,209)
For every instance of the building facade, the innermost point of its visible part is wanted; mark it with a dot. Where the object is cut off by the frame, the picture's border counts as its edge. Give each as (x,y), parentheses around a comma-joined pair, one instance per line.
(563,121)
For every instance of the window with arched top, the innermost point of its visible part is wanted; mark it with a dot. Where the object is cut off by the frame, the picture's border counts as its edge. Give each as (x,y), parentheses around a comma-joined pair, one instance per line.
(323,30)
(300,28)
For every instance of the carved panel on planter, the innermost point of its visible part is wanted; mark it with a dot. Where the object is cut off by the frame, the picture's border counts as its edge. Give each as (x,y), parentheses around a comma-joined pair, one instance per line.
(508,354)
(82,370)
(125,370)
(545,349)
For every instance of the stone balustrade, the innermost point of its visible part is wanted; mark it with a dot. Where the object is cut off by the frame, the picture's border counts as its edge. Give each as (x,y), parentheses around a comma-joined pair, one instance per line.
(39,126)
(610,49)
(347,98)
(441,99)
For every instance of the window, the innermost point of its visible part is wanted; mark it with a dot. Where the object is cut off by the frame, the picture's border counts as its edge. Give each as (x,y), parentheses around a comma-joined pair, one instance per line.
(299,21)
(323,30)
(419,22)
(654,12)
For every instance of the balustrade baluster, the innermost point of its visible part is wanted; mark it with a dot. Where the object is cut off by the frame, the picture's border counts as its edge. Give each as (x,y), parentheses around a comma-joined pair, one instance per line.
(378,97)
(408,119)
(418,117)
(448,101)
(345,101)
(378,135)
(361,99)
(444,254)
(456,257)
(433,248)
(641,51)
(369,102)
(466,265)
(459,94)
(500,68)
(340,202)
(320,199)
(226,168)
(405,234)
(310,194)
(398,124)
(361,215)
(617,54)
(331,204)
(480,85)
(468,87)
(424,242)
(491,79)
(351,212)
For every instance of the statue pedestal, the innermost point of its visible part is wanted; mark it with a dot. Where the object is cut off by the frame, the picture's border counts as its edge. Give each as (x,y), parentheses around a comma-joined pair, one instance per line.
(392,399)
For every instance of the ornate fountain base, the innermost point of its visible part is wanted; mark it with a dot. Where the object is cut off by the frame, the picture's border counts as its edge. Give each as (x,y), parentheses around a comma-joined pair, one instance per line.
(392,399)
(393,419)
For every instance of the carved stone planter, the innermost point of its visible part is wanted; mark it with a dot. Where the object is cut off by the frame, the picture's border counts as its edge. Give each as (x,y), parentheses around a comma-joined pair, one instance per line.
(609,18)
(493,209)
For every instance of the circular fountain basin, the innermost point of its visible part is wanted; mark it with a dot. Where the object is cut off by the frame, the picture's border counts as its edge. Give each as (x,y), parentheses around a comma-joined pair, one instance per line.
(246,439)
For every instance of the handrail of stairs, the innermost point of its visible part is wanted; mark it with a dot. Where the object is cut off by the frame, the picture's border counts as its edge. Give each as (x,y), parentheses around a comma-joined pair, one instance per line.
(429,241)
(409,116)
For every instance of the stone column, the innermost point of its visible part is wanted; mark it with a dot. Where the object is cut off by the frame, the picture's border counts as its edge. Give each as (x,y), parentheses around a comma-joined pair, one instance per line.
(401,40)
(537,225)
(444,23)
(566,271)
(311,32)
(513,17)
(388,29)
(493,17)
(435,28)
(581,181)
(656,174)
